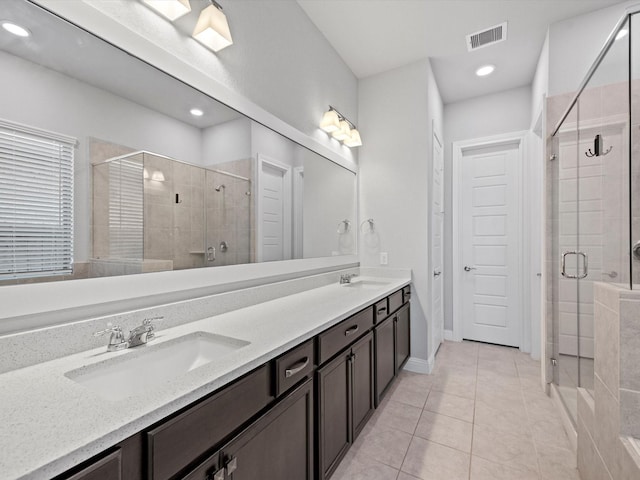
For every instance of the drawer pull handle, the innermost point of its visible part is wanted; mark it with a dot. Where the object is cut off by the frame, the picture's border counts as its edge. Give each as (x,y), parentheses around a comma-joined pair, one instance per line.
(351,330)
(382,309)
(296,367)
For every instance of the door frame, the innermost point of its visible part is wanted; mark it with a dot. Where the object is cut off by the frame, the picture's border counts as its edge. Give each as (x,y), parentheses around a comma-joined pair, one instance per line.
(287,215)
(518,138)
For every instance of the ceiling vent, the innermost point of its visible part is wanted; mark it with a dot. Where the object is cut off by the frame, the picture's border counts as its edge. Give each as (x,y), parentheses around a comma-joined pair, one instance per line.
(487,37)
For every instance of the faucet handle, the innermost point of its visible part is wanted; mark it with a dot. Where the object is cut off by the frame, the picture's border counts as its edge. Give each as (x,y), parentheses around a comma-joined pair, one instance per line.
(149,321)
(111,328)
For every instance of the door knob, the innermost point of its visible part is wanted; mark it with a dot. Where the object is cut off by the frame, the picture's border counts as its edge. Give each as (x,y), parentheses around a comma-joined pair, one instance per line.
(467,268)
(437,273)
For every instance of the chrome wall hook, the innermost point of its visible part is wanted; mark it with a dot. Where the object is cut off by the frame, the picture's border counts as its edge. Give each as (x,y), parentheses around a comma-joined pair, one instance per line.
(597,148)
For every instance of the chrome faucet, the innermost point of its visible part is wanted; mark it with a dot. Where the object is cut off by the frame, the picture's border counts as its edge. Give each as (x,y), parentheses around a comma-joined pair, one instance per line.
(138,336)
(346,278)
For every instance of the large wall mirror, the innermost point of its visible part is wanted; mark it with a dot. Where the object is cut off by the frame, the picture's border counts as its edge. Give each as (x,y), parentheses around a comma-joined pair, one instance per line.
(164,177)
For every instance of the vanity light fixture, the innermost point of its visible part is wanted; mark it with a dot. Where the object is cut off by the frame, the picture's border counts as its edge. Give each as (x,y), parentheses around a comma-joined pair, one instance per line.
(171,9)
(212,29)
(485,70)
(340,128)
(16,29)
(196,112)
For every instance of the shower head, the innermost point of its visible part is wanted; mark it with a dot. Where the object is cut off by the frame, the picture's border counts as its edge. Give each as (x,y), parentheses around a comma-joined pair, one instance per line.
(220,187)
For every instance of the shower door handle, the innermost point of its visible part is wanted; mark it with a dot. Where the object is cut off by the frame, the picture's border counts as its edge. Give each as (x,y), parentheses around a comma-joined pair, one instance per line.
(585,265)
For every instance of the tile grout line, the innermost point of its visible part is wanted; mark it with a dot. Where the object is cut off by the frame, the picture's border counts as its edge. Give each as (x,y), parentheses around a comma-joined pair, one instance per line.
(473,423)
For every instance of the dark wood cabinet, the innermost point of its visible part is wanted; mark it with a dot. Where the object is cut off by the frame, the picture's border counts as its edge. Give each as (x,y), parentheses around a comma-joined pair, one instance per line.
(345,402)
(279,445)
(178,442)
(109,467)
(385,357)
(362,383)
(283,420)
(403,336)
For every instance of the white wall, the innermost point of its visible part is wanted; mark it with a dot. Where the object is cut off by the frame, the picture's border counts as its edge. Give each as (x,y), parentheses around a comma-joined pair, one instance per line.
(280,70)
(397,109)
(226,142)
(540,83)
(265,141)
(504,112)
(575,43)
(40,97)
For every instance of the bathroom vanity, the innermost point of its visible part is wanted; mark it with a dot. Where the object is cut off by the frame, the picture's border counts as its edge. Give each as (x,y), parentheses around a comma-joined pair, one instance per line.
(301,377)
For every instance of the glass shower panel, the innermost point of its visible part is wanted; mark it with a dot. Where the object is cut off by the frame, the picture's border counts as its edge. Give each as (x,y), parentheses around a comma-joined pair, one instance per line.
(565,260)
(228,235)
(602,190)
(634,204)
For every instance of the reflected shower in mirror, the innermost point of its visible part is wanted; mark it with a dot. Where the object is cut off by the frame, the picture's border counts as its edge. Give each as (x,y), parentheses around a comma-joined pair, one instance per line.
(165,177)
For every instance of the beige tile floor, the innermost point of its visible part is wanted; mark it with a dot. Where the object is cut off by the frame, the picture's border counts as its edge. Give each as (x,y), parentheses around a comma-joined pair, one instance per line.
(480,415)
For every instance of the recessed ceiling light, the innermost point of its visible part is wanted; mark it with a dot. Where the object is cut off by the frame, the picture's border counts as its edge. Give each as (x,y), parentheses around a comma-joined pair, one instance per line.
(622,33)
(15,29)
(485,70)
(196,112)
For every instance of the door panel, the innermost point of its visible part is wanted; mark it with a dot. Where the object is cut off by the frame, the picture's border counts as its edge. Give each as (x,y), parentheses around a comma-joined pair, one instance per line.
(363,405)
(490,245)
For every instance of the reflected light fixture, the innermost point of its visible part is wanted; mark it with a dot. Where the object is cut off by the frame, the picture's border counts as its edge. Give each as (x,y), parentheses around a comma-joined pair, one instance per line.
(196,112)
(212,29)
(171,9)
(622,33)
(485,70)
(340,128)
(16,29)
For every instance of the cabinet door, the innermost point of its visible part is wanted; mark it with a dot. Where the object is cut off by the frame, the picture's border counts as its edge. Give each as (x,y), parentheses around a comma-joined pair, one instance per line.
(279,445)
(362,383)
(402,336)
(334,413)
(384,356)
(107,468)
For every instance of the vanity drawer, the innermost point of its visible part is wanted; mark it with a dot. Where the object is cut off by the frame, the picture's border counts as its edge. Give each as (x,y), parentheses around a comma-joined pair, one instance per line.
(381,310)
(395,301)
(107,468)
(343,334)
(181,440)
(406,292)
(293,366)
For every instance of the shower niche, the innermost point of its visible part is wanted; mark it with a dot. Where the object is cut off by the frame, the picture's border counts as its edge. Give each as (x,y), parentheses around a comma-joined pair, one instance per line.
(153,213)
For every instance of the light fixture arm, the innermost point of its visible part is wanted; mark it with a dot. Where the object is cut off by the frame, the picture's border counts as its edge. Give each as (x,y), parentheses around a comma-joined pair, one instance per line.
(216,4)
(341,116)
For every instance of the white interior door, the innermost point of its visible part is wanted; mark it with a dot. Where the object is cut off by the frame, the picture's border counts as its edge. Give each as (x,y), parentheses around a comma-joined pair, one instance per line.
(274,211)
(490,245)
(437,254)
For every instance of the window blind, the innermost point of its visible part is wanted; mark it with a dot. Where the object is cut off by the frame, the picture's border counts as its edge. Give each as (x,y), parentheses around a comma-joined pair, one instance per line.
(126,209)
(36,202)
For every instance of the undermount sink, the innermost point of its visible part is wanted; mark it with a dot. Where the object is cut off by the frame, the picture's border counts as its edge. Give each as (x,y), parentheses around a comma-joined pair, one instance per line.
(146,368)
(365,283)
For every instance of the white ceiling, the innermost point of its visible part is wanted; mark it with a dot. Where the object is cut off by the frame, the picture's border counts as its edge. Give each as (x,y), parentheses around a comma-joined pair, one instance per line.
(374,36)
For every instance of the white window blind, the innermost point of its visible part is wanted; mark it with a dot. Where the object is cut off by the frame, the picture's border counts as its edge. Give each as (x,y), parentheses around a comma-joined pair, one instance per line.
(126,209)
(36,202)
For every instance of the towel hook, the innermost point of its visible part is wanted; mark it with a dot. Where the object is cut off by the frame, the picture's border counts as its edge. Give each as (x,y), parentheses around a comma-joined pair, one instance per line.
(597,148)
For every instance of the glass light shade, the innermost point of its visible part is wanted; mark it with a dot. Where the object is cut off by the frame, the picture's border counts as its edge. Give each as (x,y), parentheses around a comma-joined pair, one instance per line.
(344,131)
(354,139)
(330,121)
(157,176)
(212,29)
(171,9)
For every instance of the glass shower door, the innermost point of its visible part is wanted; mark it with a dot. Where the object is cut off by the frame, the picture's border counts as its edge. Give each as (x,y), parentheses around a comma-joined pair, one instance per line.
(567,261)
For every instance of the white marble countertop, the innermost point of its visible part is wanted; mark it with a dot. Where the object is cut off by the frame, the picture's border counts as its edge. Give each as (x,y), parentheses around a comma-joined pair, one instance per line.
(49,423)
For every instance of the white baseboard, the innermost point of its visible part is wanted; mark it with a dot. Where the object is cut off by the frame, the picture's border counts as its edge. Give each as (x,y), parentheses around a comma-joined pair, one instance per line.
(418,365)
(448,335)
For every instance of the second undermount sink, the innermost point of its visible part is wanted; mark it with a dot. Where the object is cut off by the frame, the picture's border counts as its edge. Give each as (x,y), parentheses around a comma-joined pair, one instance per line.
(365,283)
(148,367)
